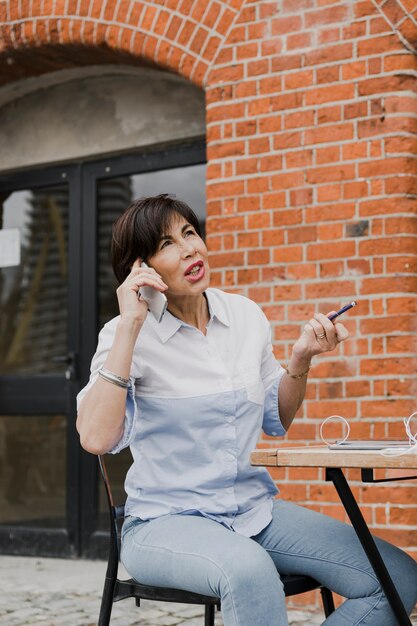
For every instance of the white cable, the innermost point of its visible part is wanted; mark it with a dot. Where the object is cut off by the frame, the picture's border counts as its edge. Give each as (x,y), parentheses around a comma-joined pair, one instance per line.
(412,437)
(412,440)
(344,421)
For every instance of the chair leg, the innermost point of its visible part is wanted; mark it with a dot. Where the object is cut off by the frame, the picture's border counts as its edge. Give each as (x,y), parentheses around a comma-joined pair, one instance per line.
(327,599)
(209,615)
(106,603)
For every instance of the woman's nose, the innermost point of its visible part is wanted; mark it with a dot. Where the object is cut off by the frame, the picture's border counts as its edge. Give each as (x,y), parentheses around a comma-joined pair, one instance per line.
(188,249)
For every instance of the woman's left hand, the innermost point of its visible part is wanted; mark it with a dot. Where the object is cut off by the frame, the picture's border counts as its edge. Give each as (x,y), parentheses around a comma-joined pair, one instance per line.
(319,335)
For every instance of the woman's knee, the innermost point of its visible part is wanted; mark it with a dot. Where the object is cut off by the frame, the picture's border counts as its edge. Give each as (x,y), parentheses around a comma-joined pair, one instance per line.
(250,568)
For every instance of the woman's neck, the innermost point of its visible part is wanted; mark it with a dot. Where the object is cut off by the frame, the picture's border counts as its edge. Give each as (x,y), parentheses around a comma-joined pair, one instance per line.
(192,310)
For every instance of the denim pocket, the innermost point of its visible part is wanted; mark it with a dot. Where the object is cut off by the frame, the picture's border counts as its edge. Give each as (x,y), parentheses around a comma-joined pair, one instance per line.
(129,523)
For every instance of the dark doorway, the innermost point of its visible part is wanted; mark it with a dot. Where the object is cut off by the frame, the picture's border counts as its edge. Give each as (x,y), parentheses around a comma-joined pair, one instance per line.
(54,300)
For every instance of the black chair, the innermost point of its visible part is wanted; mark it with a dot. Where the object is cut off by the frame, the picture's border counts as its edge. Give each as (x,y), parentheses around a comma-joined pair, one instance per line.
(116,589)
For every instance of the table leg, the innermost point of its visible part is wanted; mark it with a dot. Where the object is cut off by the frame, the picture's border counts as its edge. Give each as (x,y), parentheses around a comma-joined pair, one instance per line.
(336,475)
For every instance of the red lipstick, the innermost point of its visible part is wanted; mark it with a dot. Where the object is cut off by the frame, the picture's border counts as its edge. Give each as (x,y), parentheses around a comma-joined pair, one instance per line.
(197,274)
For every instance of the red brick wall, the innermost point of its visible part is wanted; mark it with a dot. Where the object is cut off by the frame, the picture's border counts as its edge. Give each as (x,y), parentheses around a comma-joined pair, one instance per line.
(311,115)
(311,190)
(181,35)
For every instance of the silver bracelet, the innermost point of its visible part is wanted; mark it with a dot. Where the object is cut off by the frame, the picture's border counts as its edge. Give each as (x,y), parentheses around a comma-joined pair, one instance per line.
(113,378)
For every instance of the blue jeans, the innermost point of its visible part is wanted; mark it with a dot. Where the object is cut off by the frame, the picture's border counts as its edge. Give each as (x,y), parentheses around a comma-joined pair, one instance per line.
(200,555)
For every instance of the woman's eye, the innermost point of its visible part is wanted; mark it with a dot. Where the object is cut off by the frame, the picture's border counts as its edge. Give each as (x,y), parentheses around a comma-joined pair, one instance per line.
(164,244)
(189,232)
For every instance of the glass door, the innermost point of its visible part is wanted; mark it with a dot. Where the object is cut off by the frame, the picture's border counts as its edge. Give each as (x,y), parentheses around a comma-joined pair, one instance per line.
(39,216)
(110,187)
(56,291)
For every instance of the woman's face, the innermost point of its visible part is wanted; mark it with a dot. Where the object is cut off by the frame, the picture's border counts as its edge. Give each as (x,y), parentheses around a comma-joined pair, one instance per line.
(182,260)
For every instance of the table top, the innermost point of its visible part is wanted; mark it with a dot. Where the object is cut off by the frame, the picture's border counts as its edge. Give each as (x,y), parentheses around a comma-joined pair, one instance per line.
(321,456)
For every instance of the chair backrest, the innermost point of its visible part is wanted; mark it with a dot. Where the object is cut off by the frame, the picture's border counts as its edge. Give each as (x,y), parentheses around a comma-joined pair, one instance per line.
(116,513)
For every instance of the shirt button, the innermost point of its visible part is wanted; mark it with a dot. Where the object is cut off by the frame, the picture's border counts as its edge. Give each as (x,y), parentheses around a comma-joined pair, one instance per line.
(230,419)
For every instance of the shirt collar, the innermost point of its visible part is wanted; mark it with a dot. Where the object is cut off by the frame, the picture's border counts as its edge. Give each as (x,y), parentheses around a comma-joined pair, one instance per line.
(217,308)
(170,324)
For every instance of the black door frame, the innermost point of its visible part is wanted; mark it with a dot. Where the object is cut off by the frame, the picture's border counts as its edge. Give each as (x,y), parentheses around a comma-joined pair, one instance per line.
(49,393)
(94,543)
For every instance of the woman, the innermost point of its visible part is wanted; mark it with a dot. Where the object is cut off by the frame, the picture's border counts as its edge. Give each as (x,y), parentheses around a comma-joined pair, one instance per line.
(190,396)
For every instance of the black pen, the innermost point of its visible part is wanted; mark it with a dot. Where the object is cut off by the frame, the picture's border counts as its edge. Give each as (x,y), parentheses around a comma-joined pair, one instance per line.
(342,310)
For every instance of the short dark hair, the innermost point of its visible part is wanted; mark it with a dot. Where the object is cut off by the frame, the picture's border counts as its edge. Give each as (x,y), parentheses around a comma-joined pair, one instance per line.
(138,230)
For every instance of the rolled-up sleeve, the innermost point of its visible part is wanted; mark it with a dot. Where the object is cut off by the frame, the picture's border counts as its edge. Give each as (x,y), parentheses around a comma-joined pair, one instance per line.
(271,424)
(271,373)
(129,423)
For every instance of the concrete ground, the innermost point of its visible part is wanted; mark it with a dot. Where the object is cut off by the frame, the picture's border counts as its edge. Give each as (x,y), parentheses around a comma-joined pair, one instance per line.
(60,592)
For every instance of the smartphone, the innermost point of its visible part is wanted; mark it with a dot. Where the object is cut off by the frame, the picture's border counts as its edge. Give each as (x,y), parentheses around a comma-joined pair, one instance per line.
(156,300)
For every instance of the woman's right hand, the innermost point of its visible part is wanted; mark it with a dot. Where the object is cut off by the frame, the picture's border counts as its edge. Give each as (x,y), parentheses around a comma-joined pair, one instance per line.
(131,307)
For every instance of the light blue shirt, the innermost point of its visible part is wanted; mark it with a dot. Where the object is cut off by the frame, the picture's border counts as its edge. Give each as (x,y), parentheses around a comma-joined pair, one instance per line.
(194,412)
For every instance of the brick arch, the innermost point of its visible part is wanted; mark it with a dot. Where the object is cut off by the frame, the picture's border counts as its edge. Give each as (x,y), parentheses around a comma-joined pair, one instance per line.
(402,17)
(183,37)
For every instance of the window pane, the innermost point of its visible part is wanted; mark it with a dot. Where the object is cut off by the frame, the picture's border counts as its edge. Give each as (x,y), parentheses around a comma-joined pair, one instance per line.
(33,294)
(33,470)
